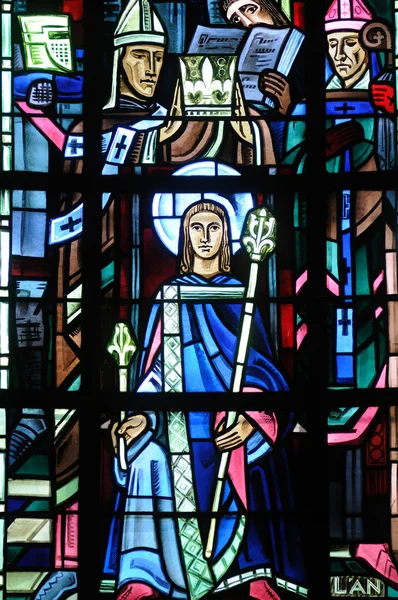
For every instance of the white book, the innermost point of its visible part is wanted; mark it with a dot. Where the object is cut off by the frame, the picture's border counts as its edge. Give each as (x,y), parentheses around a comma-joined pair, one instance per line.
(216,40)
(258,48)
(267,48)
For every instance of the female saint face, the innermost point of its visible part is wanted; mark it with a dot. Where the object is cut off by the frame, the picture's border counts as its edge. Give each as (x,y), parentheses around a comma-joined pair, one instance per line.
(205,233)
(142,65)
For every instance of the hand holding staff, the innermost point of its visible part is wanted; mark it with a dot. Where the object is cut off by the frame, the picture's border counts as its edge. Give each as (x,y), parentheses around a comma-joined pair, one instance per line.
(258,239)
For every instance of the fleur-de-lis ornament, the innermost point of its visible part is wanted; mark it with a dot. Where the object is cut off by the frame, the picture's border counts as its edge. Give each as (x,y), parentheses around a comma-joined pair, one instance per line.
(122,348)
(259,233)
(207,83)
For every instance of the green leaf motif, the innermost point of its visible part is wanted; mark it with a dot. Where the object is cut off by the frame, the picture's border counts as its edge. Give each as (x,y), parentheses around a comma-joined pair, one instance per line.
(122,346)
(259,233)
(220,97)
(194,65)
(195,98)
(222,67)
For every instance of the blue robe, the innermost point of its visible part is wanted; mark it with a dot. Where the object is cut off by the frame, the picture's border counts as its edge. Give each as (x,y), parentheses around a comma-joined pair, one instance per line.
(146,548)
(209,335)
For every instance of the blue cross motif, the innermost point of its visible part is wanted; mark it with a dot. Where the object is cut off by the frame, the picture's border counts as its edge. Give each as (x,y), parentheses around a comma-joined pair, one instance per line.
(346,206)
(345,108)
(75,145)
(120,146)
(344,322)
(70,225)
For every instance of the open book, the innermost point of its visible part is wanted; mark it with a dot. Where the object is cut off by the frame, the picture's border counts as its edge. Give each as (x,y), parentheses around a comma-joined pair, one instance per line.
(258,48)
(46,41)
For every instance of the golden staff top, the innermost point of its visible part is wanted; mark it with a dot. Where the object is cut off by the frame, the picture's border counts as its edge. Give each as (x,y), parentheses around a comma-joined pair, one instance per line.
(258,239)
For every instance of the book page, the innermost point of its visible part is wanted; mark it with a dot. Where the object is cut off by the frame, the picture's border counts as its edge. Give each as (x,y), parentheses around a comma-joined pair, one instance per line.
(216,40)
(46,42)
(267,48)
(261,49)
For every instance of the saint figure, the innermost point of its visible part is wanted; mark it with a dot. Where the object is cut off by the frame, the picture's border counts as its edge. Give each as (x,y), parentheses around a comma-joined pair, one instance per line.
(160,535)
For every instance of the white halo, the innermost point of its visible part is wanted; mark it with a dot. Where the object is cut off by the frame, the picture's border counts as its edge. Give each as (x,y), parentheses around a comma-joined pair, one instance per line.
(168,208)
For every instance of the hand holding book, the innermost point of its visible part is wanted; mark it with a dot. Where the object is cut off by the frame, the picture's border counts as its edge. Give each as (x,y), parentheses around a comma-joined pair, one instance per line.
(276,87)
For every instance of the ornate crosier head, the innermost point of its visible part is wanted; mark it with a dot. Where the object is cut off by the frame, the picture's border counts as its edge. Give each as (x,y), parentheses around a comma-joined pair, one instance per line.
(259,234)
(122,346)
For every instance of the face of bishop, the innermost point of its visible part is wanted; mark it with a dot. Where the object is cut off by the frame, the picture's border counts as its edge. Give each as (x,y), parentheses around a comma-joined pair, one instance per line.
(350,59)
(141,66)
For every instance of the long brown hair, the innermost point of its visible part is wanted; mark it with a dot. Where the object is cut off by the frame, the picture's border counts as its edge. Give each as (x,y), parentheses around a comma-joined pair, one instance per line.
(276,13)
(187,253)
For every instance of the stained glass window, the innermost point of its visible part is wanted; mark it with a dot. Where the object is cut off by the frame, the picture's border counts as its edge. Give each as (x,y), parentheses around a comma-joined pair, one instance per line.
(174,549)
(181,323)
(362,475)
(198,264)
(40,501)
(361,279)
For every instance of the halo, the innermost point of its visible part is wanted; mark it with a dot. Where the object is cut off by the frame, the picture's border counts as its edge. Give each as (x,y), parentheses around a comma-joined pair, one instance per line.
(168,208)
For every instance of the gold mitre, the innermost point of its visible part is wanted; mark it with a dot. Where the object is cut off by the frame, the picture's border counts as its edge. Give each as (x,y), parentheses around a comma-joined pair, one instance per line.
(139,24)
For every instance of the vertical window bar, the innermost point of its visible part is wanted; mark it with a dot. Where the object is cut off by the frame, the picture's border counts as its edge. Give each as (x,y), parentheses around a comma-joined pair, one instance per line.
(315,12)
(6,87)
(3,488)
(89,546)
(5,240)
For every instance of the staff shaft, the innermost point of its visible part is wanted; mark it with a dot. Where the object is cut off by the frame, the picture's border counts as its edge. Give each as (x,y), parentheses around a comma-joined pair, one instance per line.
(237,378)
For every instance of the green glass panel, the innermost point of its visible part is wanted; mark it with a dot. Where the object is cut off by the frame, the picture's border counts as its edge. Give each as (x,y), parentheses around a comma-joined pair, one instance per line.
(341,387)
(2,476)
(355,567)
(39,506)
(366,366)
(335,567)
(364,333)
(6,43)
(296,133)
(332,258)
(4,210)
(296,213)
(291,158)
(341,416)
(362,279)
(286,7)
(13,552)
(6,95)
(67,491)
(75,385)
(107,274)
(392,593)
(36,465)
